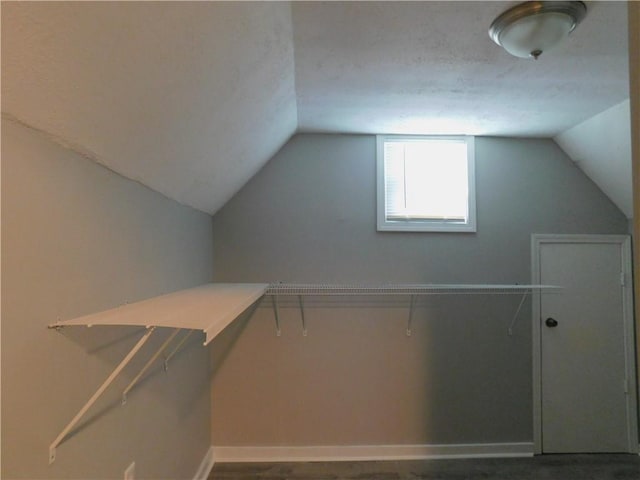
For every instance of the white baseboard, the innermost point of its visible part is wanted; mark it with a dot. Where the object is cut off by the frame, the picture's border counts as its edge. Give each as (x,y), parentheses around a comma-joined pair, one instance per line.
(205,466)
(370,452)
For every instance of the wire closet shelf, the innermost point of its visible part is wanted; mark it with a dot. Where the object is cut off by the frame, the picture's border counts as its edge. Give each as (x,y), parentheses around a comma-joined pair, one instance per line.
(304,289)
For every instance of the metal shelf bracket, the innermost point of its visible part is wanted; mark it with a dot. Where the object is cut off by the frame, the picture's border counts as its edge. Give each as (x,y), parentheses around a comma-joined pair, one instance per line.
(304,323)
(274,300)
(148,365)
(411,304)
(515,316)
(176,349)
(125,361)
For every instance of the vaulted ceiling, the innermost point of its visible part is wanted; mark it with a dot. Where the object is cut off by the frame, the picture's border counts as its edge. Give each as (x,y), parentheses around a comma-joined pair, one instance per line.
(191,99)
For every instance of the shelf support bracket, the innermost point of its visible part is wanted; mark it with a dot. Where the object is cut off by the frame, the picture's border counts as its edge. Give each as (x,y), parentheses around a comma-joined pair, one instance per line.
(304,323)
(515,317)
(274,300)
(411,304)
(177,349)
(125,361)
(148,365)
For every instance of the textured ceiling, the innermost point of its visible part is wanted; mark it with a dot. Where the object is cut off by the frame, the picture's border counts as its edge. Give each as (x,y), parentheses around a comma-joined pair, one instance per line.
(192,99)
(430,67)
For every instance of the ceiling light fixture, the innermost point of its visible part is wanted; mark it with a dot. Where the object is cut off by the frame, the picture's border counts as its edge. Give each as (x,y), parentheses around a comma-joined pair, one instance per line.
(530,28)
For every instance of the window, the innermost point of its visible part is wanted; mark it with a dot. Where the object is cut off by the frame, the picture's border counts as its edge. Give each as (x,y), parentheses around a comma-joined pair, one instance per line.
(426,184)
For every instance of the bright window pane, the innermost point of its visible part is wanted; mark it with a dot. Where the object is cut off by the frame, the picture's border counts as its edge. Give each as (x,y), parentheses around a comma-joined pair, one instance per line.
(427,181)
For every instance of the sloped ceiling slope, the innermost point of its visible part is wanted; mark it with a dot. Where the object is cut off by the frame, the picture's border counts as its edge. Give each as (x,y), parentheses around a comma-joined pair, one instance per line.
(190,99)
(601,147)
(430,67)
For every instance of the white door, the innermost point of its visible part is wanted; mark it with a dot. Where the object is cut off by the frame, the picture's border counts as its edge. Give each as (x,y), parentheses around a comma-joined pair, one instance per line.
(586,380)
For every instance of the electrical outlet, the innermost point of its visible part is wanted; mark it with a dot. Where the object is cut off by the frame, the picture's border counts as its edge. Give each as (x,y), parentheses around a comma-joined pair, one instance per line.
(130,472)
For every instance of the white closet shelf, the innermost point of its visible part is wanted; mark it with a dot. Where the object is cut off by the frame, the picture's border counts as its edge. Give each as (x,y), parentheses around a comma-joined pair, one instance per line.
(209,308)
(213,306)
(282,289)
(278,290)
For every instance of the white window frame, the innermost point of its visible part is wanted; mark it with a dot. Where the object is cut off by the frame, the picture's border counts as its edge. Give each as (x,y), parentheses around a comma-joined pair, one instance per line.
(425,225)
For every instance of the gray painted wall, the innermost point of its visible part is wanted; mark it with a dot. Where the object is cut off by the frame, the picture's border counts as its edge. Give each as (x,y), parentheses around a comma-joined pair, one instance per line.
(357,379)
(76,239)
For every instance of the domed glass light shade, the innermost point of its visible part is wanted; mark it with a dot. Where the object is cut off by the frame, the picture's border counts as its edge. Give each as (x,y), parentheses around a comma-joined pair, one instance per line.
(531,28)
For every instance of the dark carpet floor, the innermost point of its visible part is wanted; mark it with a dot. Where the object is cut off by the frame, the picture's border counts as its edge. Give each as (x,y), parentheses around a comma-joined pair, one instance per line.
(544,467)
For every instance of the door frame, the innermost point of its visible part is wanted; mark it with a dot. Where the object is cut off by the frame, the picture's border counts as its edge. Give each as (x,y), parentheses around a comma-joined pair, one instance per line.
(537,240)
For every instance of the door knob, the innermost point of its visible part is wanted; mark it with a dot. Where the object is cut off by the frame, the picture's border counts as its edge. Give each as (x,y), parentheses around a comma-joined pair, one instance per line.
(551,322)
